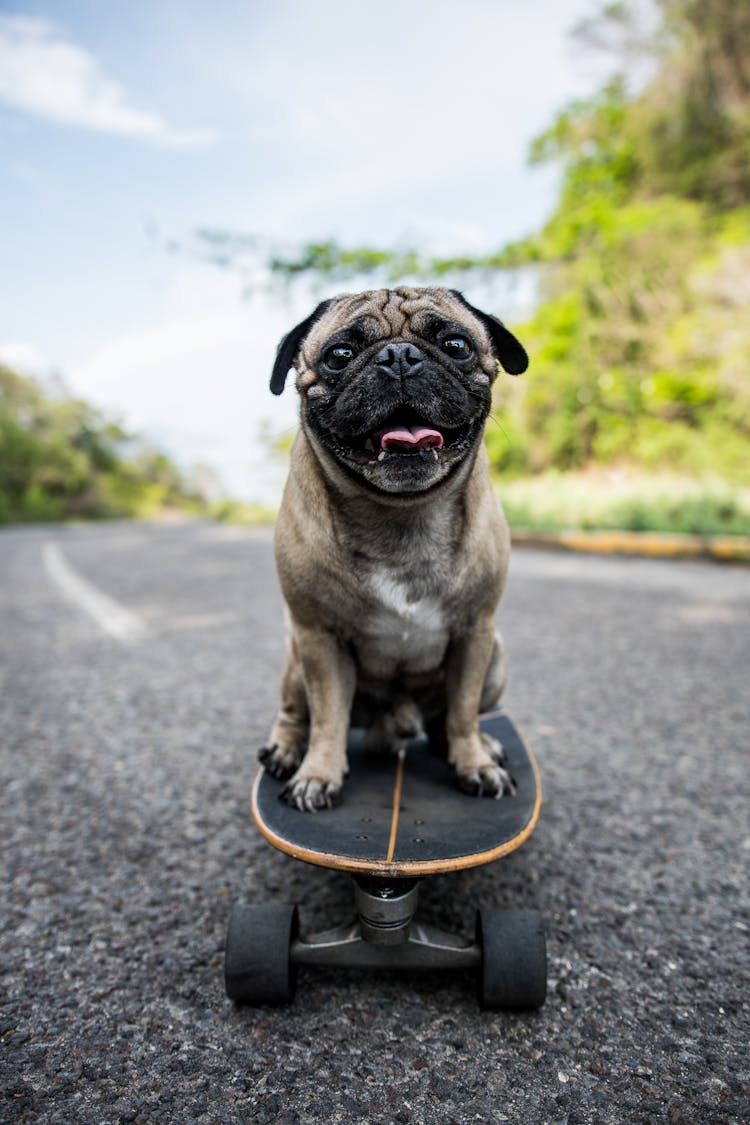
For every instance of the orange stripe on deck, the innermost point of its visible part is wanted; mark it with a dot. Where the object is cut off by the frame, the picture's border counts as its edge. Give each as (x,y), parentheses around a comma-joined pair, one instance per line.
(396,806)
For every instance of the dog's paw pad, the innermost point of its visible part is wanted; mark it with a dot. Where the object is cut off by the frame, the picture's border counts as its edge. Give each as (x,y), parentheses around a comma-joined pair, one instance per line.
(311,794)
(280,763)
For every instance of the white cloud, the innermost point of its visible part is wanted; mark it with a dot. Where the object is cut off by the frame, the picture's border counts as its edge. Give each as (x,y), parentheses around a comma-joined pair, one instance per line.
(194,378)
(43,73)
(24,357)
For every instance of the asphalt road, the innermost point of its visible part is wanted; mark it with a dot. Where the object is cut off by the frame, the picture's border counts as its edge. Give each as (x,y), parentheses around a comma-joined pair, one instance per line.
(128,749)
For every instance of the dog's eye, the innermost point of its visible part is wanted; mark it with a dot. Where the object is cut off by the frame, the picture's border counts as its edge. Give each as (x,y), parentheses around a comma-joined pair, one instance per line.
(337,357)
(457,347)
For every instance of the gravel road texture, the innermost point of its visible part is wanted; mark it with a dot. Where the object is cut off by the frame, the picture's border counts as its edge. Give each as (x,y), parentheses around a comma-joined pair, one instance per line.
(126,767)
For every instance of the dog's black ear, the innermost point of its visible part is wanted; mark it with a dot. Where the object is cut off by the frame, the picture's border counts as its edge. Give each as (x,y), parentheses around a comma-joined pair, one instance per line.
(508,349)
(286,353)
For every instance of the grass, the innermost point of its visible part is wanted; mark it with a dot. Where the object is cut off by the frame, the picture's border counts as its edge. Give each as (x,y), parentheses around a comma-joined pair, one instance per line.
(620,500)
(595,500)
(248,514)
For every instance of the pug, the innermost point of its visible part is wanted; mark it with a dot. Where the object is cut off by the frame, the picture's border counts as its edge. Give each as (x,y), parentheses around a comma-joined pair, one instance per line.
(391,546)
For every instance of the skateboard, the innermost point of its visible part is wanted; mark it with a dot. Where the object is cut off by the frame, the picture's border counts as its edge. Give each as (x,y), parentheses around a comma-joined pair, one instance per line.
(402,818)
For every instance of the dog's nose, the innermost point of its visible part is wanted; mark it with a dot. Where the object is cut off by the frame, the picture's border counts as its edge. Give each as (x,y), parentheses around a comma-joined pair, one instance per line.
(398,360)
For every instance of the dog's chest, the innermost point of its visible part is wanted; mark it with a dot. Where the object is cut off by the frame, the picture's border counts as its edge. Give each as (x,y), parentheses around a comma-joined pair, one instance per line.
(407,629)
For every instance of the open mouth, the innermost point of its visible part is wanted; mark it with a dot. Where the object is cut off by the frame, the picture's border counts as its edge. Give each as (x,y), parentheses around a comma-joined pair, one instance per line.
(404,435)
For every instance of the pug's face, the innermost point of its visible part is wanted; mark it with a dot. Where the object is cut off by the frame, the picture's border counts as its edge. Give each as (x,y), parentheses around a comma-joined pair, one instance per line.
(396,384)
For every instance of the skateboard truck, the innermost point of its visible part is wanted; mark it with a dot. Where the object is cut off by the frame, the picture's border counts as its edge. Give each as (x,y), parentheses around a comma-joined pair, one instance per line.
(426,827)
(385,934)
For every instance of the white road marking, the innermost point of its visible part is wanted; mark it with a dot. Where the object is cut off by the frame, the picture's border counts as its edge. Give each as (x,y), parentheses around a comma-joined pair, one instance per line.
(109,615)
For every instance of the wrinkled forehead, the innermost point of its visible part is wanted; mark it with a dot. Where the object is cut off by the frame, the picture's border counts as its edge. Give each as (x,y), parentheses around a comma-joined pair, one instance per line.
(387,313)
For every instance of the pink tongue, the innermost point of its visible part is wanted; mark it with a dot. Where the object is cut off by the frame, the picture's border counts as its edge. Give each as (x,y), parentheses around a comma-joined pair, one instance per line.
(411,437)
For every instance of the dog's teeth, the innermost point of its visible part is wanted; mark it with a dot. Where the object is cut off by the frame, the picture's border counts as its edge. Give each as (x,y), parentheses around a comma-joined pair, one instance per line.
(435,454)
(381,455)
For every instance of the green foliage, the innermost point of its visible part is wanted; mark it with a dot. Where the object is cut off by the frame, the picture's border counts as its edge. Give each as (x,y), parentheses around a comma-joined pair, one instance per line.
(613,500)
(640,350)
(335,262)
(60,458)
(641,345)
(329,260)
(235,511)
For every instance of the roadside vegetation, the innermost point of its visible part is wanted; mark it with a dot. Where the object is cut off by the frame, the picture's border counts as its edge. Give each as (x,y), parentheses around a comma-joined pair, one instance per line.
(62,459)
(625,501)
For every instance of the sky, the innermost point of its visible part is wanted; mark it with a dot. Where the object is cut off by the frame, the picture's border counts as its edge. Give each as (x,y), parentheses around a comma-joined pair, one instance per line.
(126,127)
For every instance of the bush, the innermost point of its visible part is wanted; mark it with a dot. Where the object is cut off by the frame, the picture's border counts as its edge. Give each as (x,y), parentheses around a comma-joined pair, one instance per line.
(59,458)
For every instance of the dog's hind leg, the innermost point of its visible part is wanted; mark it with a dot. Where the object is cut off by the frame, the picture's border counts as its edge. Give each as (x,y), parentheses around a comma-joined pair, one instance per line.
(495,677)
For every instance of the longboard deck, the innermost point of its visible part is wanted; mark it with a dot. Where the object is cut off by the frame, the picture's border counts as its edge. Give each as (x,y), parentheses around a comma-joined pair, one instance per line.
(404,815)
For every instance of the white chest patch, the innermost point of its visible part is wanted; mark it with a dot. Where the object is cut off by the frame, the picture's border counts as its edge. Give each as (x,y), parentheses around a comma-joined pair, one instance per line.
(408,634)
(394,598)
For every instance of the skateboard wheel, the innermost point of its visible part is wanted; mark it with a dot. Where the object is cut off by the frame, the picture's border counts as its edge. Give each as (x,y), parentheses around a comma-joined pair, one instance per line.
(513,974)
(257,963)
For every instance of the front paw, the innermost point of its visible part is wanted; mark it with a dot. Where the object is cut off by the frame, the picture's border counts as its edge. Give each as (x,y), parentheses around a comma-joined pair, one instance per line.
(487,781)
(311,794)
(279,760)
(478,762)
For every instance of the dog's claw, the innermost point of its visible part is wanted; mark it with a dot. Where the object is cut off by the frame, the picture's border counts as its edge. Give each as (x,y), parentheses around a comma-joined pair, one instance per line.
(495,748)
(310,795)
(492,781)
(483,773)
(272,761)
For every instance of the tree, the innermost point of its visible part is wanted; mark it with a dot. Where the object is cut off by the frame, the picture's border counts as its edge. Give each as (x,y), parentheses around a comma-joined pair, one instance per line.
(59,457)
